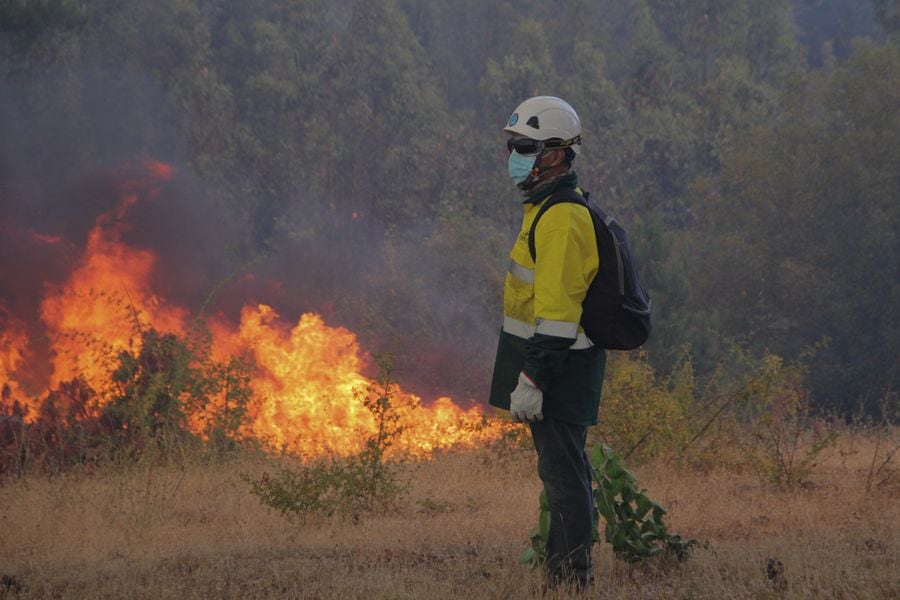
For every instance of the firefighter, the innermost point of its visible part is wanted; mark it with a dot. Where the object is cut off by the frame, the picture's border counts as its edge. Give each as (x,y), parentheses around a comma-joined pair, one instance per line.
(547,372)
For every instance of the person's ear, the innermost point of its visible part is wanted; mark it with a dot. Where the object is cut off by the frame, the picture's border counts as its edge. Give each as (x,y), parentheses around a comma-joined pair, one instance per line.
(555,157)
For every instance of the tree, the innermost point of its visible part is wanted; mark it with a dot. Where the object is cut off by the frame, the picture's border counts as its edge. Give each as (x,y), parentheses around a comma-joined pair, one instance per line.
(801,243)
(28,22)
(887,13)
(827,28)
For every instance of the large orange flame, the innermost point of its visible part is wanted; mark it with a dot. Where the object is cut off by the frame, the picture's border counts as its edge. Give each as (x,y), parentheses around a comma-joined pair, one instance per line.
(13,342)
(101,308)
(308,381)
(310,386)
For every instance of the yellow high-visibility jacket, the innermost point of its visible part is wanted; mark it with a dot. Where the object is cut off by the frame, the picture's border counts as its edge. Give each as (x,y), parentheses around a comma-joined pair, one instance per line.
(542,300)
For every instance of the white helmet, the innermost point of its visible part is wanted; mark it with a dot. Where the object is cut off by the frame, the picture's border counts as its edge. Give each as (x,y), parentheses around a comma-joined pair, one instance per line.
(544,118)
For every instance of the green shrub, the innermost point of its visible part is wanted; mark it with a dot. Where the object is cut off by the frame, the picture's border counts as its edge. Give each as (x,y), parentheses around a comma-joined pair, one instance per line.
(748,411)
(360,482)
(641,412)
(787,442)
(170,395)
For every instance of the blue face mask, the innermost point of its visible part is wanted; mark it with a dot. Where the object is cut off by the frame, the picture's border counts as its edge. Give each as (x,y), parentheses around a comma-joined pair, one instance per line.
(520,166)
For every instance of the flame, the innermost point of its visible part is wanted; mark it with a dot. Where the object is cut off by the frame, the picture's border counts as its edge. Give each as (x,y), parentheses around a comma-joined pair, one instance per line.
(309,388)
(106,301)
(101,308)
(158,171)
(308,382)
(13,344)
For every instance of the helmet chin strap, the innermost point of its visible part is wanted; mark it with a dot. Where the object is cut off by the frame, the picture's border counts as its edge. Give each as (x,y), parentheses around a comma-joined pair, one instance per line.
(533,175)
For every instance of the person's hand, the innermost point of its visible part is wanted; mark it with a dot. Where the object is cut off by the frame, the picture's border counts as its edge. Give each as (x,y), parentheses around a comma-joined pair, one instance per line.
(526,401)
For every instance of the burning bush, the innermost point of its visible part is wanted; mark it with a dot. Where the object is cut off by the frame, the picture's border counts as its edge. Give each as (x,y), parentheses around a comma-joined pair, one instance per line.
(167,397)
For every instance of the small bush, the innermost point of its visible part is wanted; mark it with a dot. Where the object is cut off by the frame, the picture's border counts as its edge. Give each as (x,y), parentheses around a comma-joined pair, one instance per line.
(360,482)
(748,411)
(787,443)
(640,413)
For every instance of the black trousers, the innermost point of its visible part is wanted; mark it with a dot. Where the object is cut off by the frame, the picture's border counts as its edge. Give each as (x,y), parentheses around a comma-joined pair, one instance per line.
(564,468)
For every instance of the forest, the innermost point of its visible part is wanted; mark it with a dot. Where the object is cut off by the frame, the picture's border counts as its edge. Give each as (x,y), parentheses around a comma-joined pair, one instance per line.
(353,152)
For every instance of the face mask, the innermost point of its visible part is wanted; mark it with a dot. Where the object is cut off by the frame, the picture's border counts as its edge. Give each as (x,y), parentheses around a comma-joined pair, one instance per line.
(519,166)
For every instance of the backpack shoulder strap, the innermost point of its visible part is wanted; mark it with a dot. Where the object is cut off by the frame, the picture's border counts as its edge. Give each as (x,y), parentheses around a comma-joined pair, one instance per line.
(565,195)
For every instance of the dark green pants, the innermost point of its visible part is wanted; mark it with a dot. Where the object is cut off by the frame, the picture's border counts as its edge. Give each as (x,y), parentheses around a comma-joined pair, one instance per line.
(566,472)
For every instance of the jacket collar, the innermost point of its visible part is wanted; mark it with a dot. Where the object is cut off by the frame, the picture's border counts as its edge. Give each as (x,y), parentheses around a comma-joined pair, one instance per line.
(569,180)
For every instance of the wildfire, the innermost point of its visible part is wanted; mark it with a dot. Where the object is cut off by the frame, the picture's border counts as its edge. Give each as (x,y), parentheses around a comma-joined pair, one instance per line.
(309,387)
(102,307)
(13,342)
(308,383)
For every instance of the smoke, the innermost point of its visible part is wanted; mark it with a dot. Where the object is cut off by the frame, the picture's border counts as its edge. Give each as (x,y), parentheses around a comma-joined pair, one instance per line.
(59,175)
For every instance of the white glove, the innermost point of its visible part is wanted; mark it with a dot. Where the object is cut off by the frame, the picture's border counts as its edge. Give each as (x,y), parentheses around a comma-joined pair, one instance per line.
(526,400)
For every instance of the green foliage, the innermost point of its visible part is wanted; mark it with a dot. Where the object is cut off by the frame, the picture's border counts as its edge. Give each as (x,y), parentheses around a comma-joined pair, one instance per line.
(634,524)
(524,72)
(163,391)
(798,243)
(747,411)
(642,412)
(297,493)
(789,443)
(363,481)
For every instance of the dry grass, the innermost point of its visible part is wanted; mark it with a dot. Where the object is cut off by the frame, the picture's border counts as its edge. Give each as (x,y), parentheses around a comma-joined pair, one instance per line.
(151,532)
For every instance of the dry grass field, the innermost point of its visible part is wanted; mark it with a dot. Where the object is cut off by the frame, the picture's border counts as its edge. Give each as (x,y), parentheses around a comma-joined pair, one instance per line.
(197,532)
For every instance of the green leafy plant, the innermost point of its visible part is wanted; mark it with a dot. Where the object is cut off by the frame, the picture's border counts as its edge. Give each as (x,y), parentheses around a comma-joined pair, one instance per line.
(538,535)
(646,413)
(296,493)
(634,523)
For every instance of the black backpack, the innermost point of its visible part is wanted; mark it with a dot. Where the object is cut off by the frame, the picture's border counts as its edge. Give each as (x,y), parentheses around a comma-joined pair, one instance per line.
(616,310)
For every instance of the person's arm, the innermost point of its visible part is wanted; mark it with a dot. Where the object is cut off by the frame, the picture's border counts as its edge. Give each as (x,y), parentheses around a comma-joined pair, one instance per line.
(562,247)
